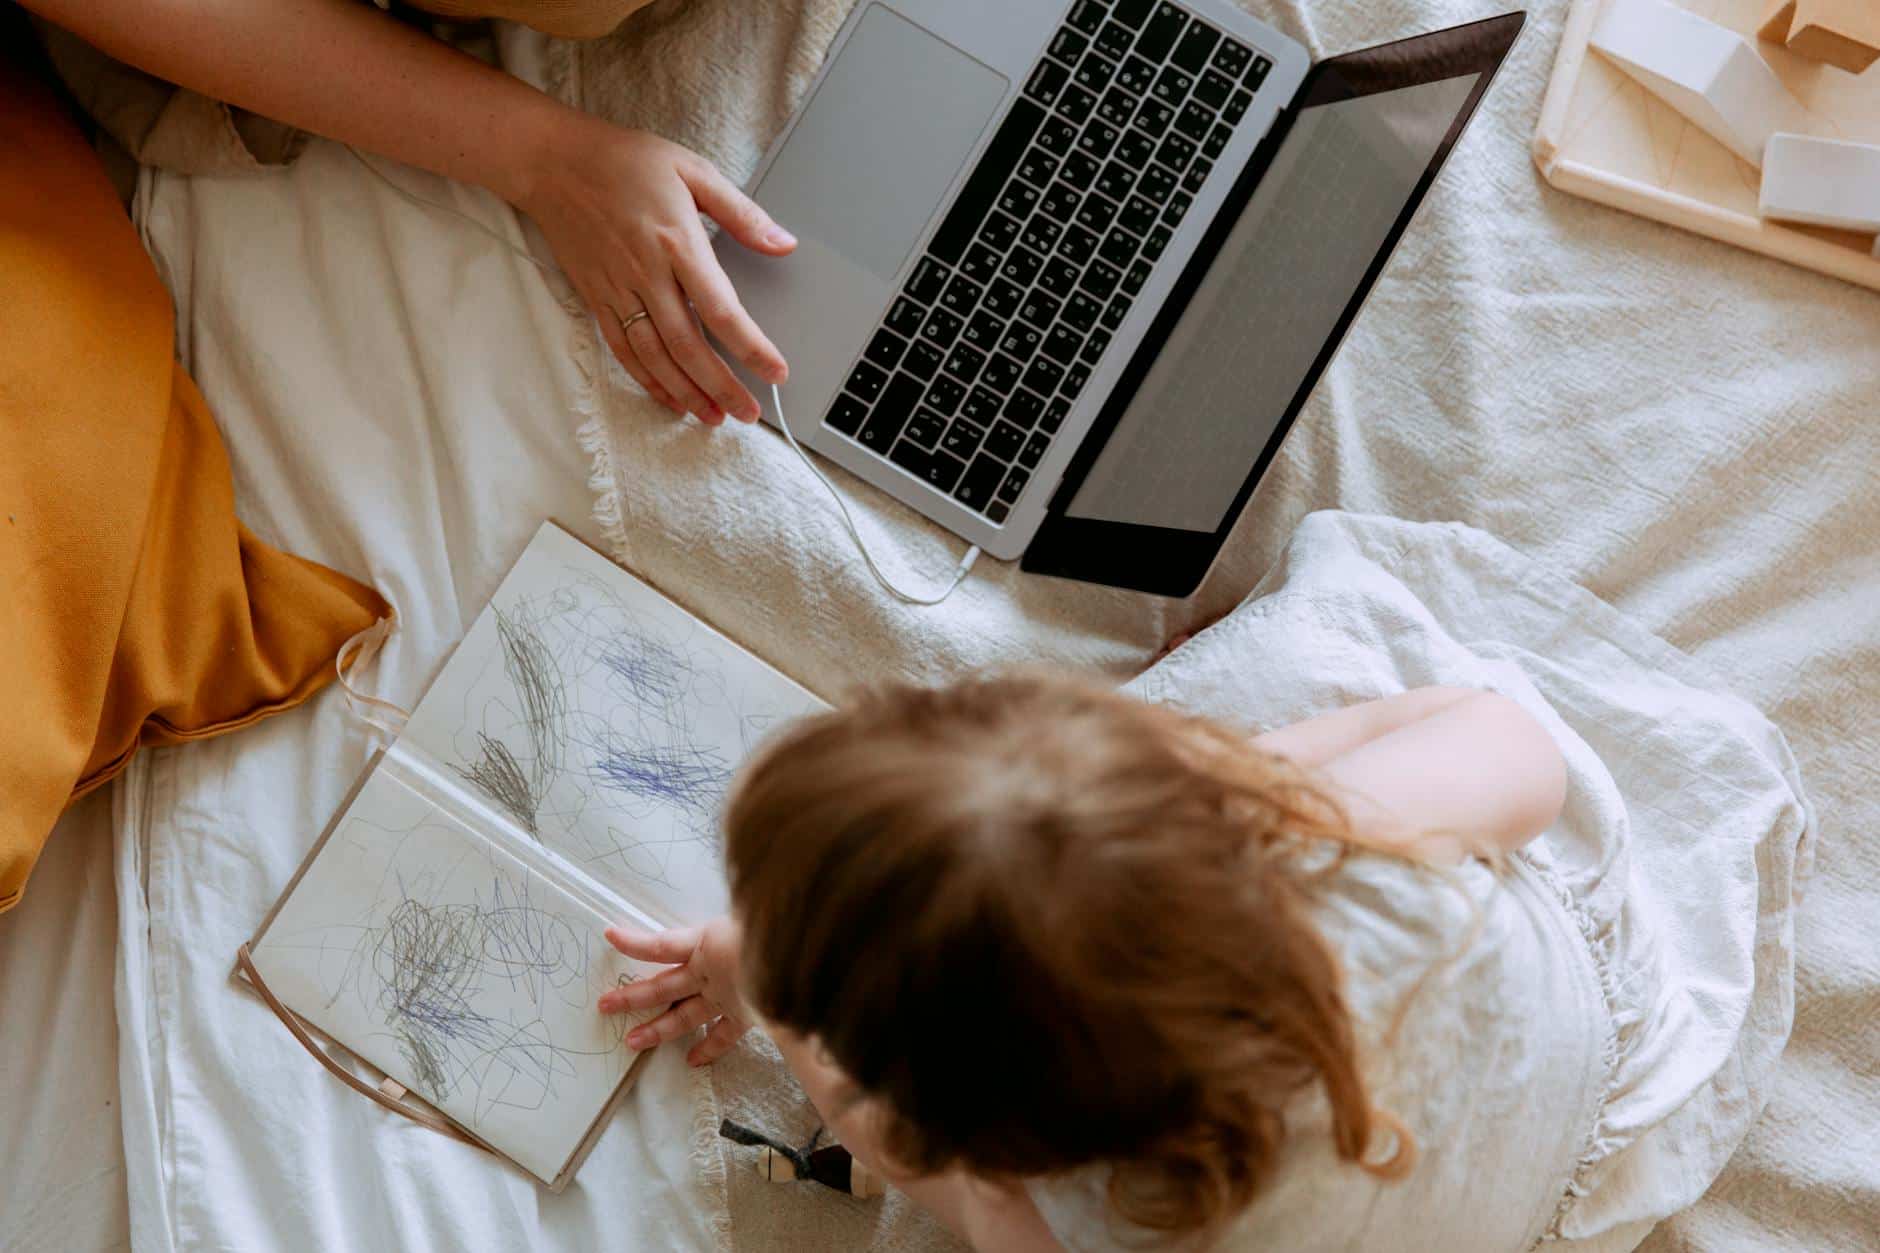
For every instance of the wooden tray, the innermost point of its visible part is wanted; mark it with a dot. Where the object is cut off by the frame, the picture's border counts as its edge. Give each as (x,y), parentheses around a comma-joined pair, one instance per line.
(1604,137)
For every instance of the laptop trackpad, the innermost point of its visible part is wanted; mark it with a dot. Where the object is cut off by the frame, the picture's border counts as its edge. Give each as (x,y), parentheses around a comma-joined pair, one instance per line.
(876,149)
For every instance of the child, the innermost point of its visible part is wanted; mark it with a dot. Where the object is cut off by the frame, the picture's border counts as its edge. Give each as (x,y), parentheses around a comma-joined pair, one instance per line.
(1077,971)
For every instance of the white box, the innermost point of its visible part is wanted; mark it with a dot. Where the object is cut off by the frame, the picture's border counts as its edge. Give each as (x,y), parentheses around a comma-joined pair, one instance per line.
(1707,72)
(1822,182)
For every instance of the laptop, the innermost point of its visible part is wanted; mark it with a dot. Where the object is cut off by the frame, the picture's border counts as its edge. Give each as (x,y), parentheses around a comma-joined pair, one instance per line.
(1068,272)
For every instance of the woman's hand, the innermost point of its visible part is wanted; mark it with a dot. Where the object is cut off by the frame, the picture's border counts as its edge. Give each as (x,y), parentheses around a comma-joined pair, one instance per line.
(701,986)
(621,210)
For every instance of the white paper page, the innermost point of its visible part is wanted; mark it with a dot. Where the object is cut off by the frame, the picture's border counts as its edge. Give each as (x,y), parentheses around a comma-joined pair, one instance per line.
(457,970)
(606,722)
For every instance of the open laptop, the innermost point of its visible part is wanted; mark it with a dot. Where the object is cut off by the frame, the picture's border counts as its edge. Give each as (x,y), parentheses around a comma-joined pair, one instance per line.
(1069,271)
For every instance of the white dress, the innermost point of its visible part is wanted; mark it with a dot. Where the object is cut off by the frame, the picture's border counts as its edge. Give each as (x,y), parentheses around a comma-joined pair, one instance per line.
(1592,1057)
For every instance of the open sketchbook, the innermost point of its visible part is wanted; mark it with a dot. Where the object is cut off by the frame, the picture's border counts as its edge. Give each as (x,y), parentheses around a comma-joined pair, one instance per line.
(564,772)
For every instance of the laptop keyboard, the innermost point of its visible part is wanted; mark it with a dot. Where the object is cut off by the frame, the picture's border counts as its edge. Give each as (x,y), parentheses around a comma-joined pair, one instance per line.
(996,331)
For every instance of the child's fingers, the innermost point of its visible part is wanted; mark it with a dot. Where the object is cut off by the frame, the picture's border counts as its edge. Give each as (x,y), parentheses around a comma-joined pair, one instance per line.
(719,1040)
(673,948)
(664,988)
(672,1024)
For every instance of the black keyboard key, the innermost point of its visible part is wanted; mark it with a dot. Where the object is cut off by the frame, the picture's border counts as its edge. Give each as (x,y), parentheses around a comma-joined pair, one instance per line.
(1157,185)
(892,412)
(1195,122)
(1000,231)
(1067,45)
(1114,315)
(1041,234)
(1138,216)
(1039,309)
(1216,142)
(1015,204)
(980,264)
(944,396)
(1001,374)
(1080,171)
(982,406)
(1046,82)
(1056,136)
(1119,248)
(1086,16)
(1114,40)
(1059,276)
(922,360)
(905,317)
(1055,411)
(1080,244)
(1019,475)
(1136,150)
(1136,279)
(1232,57)
(1197,176)
(965,363)
(982,331)
(1077,102)
(1155,243)
(1082,313)
(1031,455)
(1116,181)
(1099,139)
(961,296)
(1212,90)
(962,439)
(929,278)
(1022,266)
(885,349)
(879,433)
(1096,213)
(926,428)
(1021,342)
(1062,346)
(1060,203)
(1024,409)
(1154,118)
(936,468)
(1117,108)
(991,173)
(1094,76)
(980,482)
(1133,13)
(1171,86)
(1236,107)
(1004,441)
(1163,32)
(1003,298)
(997,512)
(1136,76)
(1075,380)
(1196,47)
(866,382)
(1094,347)
(1044,376)
(1177,208)
(942,328)
(846,415)
(1101,279)
(1256,73)
(1038,167)
(1176,152)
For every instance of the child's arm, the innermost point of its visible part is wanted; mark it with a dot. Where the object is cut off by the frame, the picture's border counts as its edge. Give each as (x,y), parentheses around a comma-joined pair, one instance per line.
(1437,771)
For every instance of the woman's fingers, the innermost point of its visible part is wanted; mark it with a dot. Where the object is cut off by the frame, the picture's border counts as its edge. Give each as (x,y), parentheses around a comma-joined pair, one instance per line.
(647,337)
(668,948)
(720,309)
(721,1039)
(743,218)
(672,1024)
(664,988)
(685,340)
(616,337)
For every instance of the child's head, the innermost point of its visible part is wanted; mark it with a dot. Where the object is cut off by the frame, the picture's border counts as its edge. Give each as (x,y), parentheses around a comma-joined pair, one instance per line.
(1046,925)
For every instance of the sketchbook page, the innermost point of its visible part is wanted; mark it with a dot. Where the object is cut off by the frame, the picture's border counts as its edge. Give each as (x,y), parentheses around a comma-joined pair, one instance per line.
(457,970)
(606,722)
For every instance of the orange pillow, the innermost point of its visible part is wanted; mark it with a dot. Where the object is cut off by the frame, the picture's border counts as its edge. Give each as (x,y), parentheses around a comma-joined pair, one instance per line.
(134,608)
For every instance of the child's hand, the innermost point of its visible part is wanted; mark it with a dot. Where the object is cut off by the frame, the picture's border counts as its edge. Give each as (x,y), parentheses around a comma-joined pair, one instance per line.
(701,986)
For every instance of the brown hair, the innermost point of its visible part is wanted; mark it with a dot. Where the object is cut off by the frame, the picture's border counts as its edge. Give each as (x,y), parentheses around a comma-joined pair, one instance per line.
(1047,926)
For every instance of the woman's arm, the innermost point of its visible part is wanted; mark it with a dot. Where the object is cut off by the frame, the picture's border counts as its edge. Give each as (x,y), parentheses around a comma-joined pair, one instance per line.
(1318,740)
(620,208)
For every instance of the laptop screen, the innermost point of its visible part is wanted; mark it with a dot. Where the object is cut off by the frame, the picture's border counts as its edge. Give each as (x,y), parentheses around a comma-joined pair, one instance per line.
(1273,297)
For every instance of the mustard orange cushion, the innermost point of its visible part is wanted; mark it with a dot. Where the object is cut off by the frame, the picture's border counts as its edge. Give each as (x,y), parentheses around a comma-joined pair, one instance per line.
(134,608)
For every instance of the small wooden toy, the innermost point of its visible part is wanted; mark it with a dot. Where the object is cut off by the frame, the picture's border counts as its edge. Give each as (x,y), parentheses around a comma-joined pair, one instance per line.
(1822,182)
(830,1165)
(1841,32)
(1707,72)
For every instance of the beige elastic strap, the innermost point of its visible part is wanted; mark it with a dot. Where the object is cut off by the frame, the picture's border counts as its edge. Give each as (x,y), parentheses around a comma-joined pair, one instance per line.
(423,1117)
(357,653)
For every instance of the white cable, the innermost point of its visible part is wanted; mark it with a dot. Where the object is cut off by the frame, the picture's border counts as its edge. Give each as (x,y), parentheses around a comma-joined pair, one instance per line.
(776,396)
(959,575)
